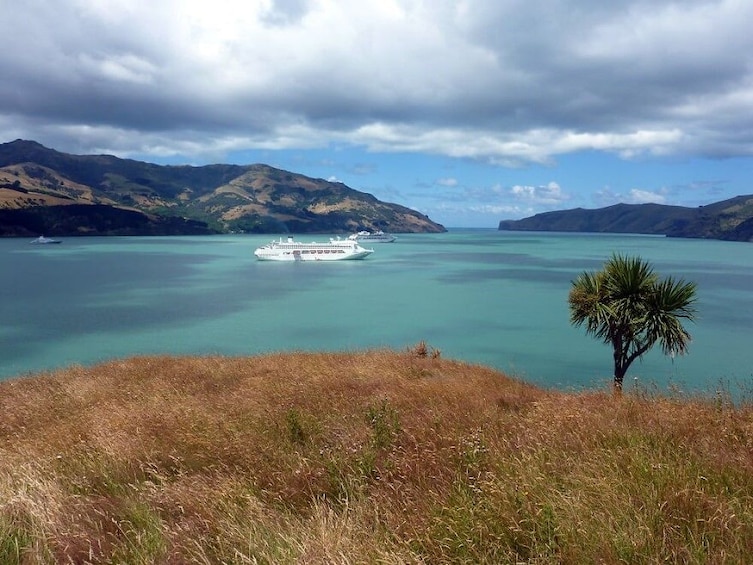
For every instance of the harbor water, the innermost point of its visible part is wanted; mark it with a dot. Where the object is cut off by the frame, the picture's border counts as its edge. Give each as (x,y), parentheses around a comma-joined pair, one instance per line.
(480,296)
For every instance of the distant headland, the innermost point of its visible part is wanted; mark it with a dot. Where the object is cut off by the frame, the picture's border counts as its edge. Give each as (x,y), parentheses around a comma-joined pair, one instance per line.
(730,220)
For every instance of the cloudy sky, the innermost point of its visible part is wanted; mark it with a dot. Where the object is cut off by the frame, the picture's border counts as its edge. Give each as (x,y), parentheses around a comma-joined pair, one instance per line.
(470,111)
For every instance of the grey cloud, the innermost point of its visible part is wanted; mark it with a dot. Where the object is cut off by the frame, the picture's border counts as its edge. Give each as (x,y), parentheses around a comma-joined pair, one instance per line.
(508,82)
(286,11)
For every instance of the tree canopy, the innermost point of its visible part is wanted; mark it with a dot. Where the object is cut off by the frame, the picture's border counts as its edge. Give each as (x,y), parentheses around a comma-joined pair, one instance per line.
(628,306)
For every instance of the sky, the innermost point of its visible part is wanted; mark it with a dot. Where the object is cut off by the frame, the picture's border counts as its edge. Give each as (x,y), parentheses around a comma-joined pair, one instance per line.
(469,111)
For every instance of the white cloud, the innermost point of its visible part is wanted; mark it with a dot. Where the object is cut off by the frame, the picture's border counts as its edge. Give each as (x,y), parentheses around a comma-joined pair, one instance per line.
(607,197)
(547,194)
(496,210)
(637,196)
(448,182)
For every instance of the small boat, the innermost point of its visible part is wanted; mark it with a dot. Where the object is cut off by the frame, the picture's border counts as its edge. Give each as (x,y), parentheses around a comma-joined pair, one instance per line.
(43,239)
(333,250)
(372,237)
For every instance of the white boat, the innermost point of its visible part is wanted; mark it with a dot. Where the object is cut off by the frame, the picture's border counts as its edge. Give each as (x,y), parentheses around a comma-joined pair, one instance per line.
(372,237)
(290,250)
(43,239)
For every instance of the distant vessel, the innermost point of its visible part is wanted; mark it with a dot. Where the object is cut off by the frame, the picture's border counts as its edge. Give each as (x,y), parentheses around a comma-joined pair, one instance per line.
(333,250)
(43,239)
(373,237)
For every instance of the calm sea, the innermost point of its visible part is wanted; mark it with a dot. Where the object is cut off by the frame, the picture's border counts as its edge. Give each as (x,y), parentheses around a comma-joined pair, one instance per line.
(482,296)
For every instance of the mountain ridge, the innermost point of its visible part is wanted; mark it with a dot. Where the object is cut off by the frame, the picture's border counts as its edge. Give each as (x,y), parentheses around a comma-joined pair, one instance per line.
(46,191)
(729,220)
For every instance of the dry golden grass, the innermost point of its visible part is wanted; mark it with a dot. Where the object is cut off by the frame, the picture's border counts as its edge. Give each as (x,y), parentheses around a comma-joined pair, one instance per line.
(365,457)
(43,186)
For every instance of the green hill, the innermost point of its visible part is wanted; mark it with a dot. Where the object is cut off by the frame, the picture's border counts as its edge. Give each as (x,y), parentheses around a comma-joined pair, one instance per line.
(728,220)
(46,191)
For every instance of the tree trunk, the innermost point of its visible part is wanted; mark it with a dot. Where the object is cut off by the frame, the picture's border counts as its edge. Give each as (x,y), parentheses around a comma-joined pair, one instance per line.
(618,382)
(620,367)
(618,376)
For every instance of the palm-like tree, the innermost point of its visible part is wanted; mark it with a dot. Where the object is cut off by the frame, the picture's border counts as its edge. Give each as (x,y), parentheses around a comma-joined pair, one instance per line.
(628,307)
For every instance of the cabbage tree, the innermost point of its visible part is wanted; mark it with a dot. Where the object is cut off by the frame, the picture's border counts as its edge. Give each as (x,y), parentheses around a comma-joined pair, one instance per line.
(629,307)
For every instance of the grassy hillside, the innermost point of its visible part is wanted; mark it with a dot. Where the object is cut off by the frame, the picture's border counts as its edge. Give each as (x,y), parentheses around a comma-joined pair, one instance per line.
(365,457)
(39,188)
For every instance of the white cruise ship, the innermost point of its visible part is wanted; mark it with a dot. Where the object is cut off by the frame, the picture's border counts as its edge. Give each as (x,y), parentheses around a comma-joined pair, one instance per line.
(333,250)
(373,237)
(44,240)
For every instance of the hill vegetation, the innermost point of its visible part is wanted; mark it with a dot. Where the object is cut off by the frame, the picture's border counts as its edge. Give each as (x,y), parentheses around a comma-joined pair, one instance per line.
(46,191)
(730,220)
(363,457)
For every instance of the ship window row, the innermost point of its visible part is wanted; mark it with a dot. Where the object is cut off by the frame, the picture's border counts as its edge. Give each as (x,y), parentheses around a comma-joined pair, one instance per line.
(318,251)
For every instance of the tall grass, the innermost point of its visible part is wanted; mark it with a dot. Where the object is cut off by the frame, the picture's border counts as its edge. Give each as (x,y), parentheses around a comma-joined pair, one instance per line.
(365,457)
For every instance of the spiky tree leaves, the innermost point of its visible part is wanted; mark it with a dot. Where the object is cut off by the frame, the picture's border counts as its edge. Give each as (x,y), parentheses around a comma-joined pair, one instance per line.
(627,306)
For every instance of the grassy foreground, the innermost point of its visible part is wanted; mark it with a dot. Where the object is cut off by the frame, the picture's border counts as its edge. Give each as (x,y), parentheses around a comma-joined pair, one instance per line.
(366,457)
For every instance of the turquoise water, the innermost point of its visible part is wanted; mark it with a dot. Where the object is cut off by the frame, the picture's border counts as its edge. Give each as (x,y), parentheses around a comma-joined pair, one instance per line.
(483,296)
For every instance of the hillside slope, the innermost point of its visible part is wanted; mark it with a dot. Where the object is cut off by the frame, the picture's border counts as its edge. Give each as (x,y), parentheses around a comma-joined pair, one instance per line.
(148,198)
(367,457)
(728,220)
